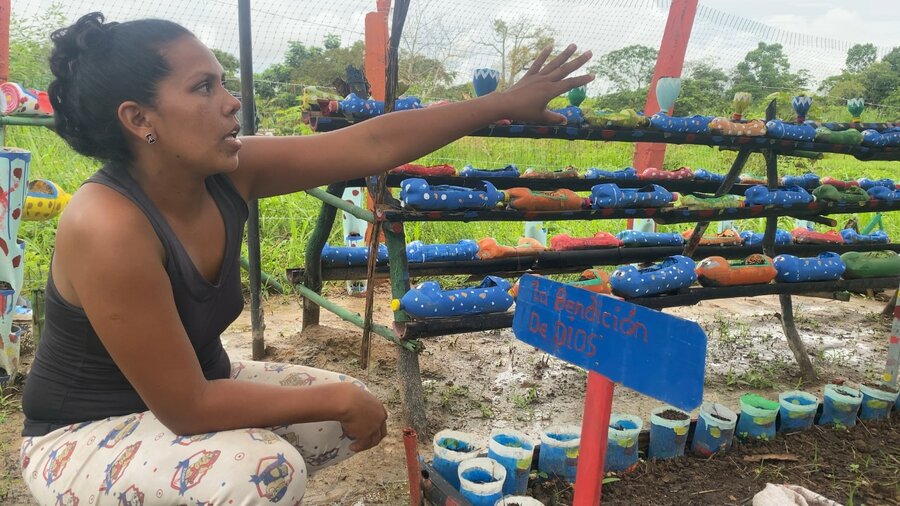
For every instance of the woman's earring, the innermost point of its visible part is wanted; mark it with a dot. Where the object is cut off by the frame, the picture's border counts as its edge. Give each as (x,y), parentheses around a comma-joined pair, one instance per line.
(150,139)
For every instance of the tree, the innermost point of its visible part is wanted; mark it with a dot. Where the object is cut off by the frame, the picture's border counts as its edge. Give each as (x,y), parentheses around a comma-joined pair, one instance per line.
(517,43)
(703,90)
(860,56)
(766,69)
(428,47)
(628,68)
(232,66)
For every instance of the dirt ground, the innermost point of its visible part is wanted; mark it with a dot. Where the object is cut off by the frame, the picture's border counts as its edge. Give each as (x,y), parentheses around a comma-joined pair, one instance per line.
(480,381)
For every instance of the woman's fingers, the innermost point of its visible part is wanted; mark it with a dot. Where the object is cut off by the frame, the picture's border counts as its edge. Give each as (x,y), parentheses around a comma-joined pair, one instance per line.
(571,66)
(574,82)
(539,61)
(559,60)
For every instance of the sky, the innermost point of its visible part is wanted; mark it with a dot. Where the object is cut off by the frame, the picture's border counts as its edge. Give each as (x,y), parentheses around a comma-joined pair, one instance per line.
(815,33)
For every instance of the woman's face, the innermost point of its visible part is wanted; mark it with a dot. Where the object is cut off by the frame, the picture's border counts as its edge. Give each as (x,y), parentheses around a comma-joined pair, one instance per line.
(194,117)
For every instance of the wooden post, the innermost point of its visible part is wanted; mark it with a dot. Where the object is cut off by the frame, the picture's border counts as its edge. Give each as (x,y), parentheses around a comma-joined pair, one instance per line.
(376,73)
(669,63)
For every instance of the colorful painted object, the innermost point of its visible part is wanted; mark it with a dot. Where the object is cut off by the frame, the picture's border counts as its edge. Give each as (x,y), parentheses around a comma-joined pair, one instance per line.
(756,269)
(807,181)
(668,432)
(655,174)
(481,481)
(14,168)
(715,429)
(559,451)
(417,252)
(782,238)
(626,174)
(705,175)
(609,195)
(636,238)
(723,126)
(413,169)
(856,106)
(804,235)
(867,184)
(526,199)
(727,237)
(489,248)
(667,90)
(514,450)
(485,81)
(838,183)
(826,266)
(577,95)
(670,275)
(564,242)
(757,420)
(622,442)
(508,171)
(777,129)
(787,197)
(626,118)
(45,200)
(450,448)
(568,172)
(416,193)
(851,137)
(797,410)
(740,103)
(428,300)
(696,202)
(572,113)
(16,100)
(877,401)
(801,105)
(688,124)
(594,280)
(347,256)
(853,237)
(876,139)
(840,405)
(830,193)
(871,264)
(883,193)
(361,108)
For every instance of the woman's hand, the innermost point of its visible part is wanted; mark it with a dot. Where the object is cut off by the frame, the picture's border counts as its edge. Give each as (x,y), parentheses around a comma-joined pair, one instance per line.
(527,99)
(363,417)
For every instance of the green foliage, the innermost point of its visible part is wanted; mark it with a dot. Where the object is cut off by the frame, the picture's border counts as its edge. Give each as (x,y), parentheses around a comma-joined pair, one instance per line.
(764,69)
(517,44)
(29,47)
(703,91)
(860,56)
(232,66)
(629,68)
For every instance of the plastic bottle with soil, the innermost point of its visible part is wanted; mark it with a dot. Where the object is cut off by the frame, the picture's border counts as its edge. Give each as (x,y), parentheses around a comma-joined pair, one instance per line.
(668,432)
(840,405)
(481,480)
(559,451)
(622,444)
(797,411)
(514,450)
(757,420)
(450,448)
(715,429)
(518,500)
(877,401)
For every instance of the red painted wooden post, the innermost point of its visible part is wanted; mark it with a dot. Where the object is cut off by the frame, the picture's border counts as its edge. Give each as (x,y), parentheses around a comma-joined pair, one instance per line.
(4,51)
(377,40)
(594,434)
(669,63)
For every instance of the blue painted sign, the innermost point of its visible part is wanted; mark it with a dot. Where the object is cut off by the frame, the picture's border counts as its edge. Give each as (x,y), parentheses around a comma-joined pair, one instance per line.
(656,354)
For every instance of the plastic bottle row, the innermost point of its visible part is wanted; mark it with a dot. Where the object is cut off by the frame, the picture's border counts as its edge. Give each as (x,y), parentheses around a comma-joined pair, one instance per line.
(506,469)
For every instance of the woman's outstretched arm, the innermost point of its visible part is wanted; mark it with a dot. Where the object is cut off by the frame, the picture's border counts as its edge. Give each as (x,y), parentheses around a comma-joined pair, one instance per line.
(277,165)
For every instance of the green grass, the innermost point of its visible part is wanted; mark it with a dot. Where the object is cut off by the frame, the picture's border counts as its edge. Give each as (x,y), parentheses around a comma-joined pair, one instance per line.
(287,221)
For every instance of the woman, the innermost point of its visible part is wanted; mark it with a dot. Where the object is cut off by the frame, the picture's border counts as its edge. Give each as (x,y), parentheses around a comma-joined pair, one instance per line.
(131,395)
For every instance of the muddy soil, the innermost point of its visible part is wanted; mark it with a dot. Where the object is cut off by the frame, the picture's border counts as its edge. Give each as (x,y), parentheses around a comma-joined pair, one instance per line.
(480,381)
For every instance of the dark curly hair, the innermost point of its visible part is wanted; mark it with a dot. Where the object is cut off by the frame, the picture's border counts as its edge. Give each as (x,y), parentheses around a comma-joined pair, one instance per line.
(98,66)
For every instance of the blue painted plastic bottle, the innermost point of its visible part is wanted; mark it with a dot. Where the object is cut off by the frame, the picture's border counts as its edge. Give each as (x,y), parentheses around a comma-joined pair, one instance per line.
(668,432)
(840,405)
(622,445)
(715,429)
(757,420)
(559,451)
(481,481)
(450,448)
(877,402)
(797,411)
(514,450)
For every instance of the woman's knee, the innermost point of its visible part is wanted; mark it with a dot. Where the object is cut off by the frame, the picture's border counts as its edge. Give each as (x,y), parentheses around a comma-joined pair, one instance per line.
(277,471)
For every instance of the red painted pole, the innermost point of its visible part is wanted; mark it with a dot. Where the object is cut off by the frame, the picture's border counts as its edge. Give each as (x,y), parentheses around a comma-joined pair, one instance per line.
(594,434)
(669,63)
(4,40)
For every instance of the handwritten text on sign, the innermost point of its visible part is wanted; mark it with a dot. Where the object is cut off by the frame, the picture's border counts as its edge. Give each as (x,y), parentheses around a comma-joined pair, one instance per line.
(659,355)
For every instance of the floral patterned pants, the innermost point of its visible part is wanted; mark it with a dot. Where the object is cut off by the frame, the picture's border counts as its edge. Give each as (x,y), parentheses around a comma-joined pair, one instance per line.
(134,459)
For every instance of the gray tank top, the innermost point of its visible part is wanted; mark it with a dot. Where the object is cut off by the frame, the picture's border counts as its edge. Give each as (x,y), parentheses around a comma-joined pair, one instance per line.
(73,379)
